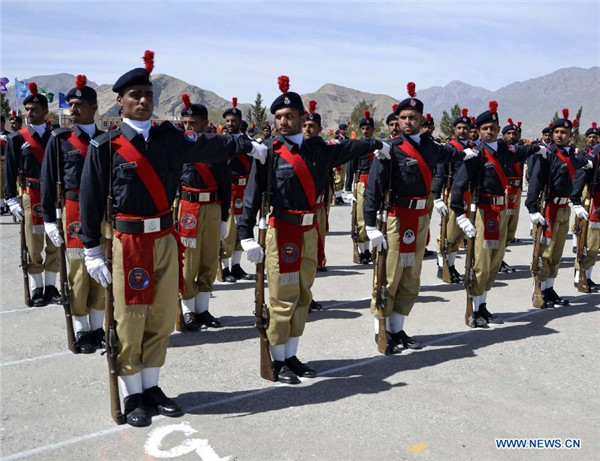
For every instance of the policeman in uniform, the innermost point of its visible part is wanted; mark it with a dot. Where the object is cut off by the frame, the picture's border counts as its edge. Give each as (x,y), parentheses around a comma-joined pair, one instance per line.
(545,142)
(392,122)
(3,141)
(428,124)
(202,223)
(591,179)
(339,173)
(25,154)
(409,175)
(141,166)
(357,175)
(266,130)
(557,173)
(474,133)
(489,172)
(444,177)
(299,170)
(68,147)
(16,122)
(231,250)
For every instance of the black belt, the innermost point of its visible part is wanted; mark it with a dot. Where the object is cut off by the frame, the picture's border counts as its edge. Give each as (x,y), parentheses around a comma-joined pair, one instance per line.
(144,226)
(72,195)
(514,182)
(497,200)
(558,200)
(411,203)
(240,181)
(32,183)
(199,197)
(304,219)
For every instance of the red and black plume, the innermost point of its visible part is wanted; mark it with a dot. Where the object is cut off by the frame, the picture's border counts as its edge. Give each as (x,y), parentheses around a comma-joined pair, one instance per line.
(149,61)
(394,107)
(367,114)
(412,89)
(33,88)
(594,125)
(493,107)
(428,118)
(464,112)
(284,83)
(186,101)
(519,123)
(312,106)
(80,82)
(565,113)
(13,113)
(234,102)
(510,121)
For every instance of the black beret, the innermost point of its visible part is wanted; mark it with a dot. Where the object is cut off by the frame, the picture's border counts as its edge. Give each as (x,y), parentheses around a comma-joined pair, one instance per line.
(409,103)
(464,118)
(233,110)
(510,127)
(547,130)
(287,98)
(82,91)
(138,76)
(428,121)
(564,122)
(391,118)
(593,129)
(197,110)
(342,126)
(35,97)
(488,116)
(367,120)
(314,117)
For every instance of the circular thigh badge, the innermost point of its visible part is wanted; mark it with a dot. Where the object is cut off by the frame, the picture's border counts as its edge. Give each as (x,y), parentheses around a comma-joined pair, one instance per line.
(289,252)
(188,221)
(491,225)
(239,203)
(37,210)
(73,229)
(138,278)
(409,237)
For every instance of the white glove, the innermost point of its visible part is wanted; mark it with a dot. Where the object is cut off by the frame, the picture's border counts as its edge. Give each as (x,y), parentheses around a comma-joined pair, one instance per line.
(352,197)
(469,153)
(589,165)
(223,229)
(377,238)
(580,212)
(51,229)
(3,137)
(15,209)
(467,227)
(542,152)
(254,251)
(259,152)
(440,207)
(96,266)
(537,218)
(384,152)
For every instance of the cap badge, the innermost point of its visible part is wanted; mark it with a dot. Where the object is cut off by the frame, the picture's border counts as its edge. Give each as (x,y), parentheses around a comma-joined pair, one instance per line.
(286,101)
(234,110)
(78,93)
(413,102)
(189,111)
(566,123)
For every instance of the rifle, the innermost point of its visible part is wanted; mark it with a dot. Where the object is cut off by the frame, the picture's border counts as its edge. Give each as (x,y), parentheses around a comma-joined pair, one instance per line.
(261,311)
(582,284)
(470,256)
(179,323)
(65,292)
(354,224)
(24,250)
(446,277)
(537,299)
(109,308)
(381,295)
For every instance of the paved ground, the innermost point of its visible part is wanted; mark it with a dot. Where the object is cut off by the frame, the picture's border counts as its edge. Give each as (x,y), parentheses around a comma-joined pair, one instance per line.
(536,376)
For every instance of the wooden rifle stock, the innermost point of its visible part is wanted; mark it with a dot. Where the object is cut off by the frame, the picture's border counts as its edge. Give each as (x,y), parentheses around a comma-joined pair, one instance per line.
(446,277)
(537,299)
(261,311)
(24,250)
(179,323)
(354,224)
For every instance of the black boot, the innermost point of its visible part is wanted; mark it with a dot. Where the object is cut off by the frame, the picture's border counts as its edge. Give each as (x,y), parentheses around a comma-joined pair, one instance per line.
(488,316)
(454,275)
(477,321)
(440,273)
(226,276)
(299,368)
(428,253)
(548,303)
(99,338)
(593,286)
(240,274)
(555,298)
(339,201)
(407,341)
(135,411)
(37,298)
(393,341)
(283,374)
(51,295)
(315,306)
(189,319)
(155,398)
(206,318)
(506,268)
(85,342)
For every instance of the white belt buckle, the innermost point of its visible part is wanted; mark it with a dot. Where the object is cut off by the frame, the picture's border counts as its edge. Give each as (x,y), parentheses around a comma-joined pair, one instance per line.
(307,219)
(151,225)
(421,203)
(242,181)
(203,196)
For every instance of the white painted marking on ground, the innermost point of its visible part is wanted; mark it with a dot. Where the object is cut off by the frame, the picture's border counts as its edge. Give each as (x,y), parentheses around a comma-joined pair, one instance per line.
(33,359)
(249,394)
(189,445)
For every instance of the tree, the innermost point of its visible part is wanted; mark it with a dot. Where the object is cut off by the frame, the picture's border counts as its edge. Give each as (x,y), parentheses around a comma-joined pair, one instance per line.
(577,138)
(257,112)
(4,106)
(555,118)
(446,127)
(358,113)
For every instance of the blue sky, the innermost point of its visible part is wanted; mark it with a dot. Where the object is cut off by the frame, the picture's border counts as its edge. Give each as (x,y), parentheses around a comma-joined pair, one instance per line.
(239,48)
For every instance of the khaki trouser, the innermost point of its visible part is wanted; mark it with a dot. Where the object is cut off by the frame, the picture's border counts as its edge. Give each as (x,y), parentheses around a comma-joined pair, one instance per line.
(513,221)
(487,260)
(288,303)
(403,283)
(454,234)
(552,253)
(2,177)
(143,330)
(593,243)
(200,264)
(321,217)
(35,239)
(231,241)
(360,213)
(338,178)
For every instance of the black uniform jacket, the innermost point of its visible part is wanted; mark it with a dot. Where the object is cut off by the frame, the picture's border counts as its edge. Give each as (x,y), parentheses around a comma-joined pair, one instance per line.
(446,171)
(554,172)
(406,180)
(287,192)
(18,157)
(590,177)
(167,150)
(191,178)
(479,170)
(70,167)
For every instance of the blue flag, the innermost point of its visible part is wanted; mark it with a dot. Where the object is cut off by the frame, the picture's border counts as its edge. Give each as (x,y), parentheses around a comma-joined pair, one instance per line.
(62,101)
(22,88)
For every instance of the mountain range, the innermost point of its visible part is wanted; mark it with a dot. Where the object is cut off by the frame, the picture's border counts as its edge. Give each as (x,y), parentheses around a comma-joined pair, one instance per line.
(533,101)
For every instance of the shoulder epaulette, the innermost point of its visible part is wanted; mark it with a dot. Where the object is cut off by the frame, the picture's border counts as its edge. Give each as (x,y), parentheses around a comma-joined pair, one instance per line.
(62,130)
(105,137)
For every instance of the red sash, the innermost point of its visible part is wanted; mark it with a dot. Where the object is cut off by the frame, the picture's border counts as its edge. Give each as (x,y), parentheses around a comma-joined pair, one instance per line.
(410,150)
(301,170)
(189,213)
(566,159)
(245,163)
(499,170)
(35,201)
(35,143)
(289,246)
(138,249)
(595,211)
(467,199)
(491,222)
(72,224)
(550,211)
(207,176)
(408,222)
(459,145)
(77,143)
(364,178)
